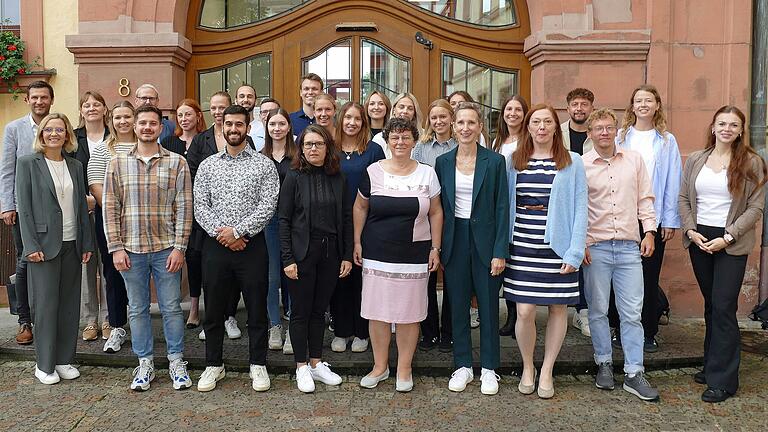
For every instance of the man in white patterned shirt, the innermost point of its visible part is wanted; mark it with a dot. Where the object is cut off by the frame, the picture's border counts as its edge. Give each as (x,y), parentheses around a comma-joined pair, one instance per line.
(235,196)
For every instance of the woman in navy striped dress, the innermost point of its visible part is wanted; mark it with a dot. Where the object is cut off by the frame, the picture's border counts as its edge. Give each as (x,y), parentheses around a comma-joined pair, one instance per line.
(548,198)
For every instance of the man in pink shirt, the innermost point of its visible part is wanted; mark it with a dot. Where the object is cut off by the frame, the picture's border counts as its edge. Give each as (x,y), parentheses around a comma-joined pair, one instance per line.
(620,195)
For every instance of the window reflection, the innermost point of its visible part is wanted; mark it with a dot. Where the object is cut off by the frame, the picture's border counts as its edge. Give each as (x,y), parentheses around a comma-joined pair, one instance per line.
(334,66)
(221,14)
(491,13)
(489,87)
(254,71)
(381,70)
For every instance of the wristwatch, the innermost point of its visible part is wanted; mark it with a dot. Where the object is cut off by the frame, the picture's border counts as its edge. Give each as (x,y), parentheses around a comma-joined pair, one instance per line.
(728,238)
(433,248)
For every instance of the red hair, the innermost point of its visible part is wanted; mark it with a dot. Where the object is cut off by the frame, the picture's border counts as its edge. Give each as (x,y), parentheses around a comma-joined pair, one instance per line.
(524,150)
(198,112)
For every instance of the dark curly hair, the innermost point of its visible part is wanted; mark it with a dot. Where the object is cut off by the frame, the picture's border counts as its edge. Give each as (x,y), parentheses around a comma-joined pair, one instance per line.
(397,124)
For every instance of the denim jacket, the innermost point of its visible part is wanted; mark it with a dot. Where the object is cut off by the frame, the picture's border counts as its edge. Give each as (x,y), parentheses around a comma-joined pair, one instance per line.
(667,175)
(566,229)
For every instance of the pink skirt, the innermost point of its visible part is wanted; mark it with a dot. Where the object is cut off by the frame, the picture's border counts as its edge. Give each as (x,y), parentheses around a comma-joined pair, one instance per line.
(393,298)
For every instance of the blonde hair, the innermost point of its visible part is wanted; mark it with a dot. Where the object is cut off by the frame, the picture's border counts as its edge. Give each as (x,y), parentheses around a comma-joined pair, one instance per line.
(659,118)
(418,118)
(111,140)
(70,145)
(601,114)
(429,132)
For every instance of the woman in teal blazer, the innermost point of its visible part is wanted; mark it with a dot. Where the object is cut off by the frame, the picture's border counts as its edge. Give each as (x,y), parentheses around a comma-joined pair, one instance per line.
(475,203)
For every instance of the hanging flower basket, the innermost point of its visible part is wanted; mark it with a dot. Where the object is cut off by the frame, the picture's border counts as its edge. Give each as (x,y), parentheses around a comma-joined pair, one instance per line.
(12,63)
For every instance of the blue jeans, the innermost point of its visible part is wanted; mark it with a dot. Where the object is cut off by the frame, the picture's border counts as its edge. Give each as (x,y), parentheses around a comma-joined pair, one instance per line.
(616,261)
(272,237)
(168,288)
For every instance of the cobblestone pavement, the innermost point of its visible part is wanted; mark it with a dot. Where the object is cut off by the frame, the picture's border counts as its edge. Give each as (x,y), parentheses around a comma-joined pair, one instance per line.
(101,400)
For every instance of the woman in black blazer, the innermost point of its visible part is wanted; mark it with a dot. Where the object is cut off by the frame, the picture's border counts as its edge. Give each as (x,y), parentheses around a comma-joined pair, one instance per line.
(315,223)
(56,233)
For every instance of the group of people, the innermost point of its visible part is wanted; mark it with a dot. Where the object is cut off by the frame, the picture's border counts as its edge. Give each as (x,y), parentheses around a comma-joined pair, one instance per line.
(354,209)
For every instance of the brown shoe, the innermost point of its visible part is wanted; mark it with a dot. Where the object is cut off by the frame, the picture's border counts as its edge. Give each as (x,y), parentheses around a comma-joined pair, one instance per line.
(106,330)
(24,335)
(90,332)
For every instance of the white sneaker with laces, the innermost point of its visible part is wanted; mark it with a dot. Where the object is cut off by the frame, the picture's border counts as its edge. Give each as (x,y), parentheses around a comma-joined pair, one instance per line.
(323,373)
(460,378)
(211,375)
(177,370)
(143,374)
(474,318)
(67,372)
(339,344)
(201,336)
(115,341)
(260,378)
(230,325)
(489,382)
(276,337)
(47,378)
(581,322)
(304,380)
(287,346)
(359,345)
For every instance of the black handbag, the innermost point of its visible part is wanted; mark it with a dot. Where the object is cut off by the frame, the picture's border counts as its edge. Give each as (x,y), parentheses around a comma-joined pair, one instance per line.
(760,313)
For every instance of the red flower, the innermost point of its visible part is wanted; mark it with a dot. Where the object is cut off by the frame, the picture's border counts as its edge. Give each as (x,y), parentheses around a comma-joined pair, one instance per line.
(21,71)
(2,58)
(11,47)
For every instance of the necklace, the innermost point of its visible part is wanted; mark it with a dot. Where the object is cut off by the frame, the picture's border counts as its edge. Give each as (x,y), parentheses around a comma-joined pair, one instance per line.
(59,173)
(349,154)
(720,159)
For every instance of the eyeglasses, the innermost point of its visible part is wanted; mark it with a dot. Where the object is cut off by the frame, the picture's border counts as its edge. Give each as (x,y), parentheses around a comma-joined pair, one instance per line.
(50,130)
(547,123)
(317,145)
(601,129)
(147,98)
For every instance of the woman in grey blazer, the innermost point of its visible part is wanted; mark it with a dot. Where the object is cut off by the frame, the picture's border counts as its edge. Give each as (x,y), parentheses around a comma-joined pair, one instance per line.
(56,233)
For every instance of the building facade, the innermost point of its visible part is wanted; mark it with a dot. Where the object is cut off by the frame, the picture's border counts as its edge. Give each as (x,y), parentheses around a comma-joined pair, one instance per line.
(696,53)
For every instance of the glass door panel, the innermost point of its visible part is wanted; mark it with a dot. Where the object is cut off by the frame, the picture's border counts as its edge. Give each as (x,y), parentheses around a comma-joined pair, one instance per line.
(382,70)
(334,66)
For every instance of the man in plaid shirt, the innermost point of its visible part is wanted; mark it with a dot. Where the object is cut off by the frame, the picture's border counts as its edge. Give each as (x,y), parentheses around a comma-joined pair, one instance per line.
(148,219)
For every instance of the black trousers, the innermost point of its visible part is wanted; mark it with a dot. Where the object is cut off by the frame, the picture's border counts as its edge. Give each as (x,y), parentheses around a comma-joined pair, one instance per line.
(223,270)
(117,296)
(651,272)
(720,276)
(345,306)
(22,291)
(233,301)
(310,295)
(436,327)
(194,259)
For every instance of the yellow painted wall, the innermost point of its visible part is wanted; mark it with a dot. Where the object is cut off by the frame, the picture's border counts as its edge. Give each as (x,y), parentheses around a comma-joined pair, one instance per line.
(60,18)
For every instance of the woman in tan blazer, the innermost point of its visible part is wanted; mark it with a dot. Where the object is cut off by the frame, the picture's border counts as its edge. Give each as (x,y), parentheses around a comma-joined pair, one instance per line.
(721,200)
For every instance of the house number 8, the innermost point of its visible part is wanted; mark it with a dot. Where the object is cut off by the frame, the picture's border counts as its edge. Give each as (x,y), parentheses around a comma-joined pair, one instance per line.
(123,89)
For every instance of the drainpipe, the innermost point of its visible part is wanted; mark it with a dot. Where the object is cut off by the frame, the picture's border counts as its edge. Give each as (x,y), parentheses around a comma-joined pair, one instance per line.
(758,120)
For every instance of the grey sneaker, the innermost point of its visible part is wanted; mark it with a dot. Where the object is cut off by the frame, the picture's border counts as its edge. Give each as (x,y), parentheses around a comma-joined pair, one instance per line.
(276,337)
(604,378)
(640,387)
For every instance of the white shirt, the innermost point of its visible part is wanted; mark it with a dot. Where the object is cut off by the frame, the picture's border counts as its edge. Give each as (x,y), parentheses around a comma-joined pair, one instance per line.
(92,144)
(464,184)
(257,133)
(642,142)
(713,201)
(62,181)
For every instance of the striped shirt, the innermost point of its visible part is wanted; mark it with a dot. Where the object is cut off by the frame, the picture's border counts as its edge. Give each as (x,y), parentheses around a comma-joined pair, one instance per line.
(100,157)
(147,205)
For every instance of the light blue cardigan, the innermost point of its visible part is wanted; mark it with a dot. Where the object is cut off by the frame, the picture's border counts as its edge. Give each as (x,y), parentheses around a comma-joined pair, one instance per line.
(566,229)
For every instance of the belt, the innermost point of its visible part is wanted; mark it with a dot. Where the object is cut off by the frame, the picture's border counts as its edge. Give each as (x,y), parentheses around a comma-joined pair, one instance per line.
(536,207)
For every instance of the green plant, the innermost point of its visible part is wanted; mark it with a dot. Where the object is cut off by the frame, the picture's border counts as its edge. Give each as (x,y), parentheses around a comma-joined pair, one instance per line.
(12,63)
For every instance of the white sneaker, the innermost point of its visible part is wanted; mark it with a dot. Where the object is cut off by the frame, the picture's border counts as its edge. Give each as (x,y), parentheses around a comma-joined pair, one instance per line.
(230,325)
(260,378)
(179,375)
(211,375)
(474,318)
(304,379)
(115,341)
(460,378)
(339,344)
(287,347)
(581,322)
(321,372)
(47,378)
(489,382)
(201,336)
(276,337)
(67,372)
(143,375)
(359,345)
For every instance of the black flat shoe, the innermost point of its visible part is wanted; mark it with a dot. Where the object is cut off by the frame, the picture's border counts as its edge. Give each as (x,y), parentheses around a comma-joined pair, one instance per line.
(508,329)
(193,324)
(445,346)
(427,344)
(714,395)
(700,378)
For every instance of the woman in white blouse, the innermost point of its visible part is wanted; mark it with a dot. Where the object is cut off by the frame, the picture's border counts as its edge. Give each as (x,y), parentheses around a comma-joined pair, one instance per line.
(721,200)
